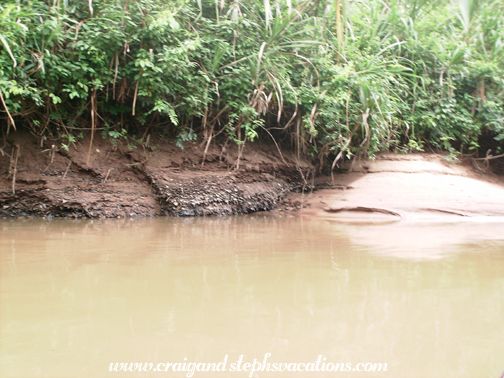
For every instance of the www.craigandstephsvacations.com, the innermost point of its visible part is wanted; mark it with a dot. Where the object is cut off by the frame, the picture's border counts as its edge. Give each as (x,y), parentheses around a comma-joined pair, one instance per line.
(319,365)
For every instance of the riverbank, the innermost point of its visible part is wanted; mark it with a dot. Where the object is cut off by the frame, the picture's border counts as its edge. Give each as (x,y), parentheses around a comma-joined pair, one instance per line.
(127,179)
(409,187)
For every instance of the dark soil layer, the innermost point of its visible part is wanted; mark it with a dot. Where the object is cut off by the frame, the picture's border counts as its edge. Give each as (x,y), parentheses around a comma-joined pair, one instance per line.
(129,180)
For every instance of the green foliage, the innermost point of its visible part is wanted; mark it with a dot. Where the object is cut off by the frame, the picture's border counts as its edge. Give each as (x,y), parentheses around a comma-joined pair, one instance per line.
(185,135)
(364,77)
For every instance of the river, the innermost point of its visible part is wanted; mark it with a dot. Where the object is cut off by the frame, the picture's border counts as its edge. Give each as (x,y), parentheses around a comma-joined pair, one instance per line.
(427,299)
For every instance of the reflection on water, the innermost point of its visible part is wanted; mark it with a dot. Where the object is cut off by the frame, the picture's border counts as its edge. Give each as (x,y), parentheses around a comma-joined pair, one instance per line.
(427,299)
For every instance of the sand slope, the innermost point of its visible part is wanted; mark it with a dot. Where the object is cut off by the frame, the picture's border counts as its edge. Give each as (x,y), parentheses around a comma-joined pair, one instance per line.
(419,187)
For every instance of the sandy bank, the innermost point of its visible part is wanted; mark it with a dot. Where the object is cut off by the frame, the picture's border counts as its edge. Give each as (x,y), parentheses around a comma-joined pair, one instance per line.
(409,187)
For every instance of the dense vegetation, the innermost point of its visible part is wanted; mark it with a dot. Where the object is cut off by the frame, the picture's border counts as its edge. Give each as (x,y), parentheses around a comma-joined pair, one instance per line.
(334,78)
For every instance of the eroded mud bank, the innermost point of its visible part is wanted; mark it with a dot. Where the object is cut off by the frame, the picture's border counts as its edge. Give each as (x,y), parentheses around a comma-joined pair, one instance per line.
(128,180)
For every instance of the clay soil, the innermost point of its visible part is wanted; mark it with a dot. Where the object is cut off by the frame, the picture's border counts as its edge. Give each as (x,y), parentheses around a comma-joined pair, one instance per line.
(131,180)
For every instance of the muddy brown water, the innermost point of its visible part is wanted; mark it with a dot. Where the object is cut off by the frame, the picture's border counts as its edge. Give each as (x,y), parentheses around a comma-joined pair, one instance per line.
(425,298)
